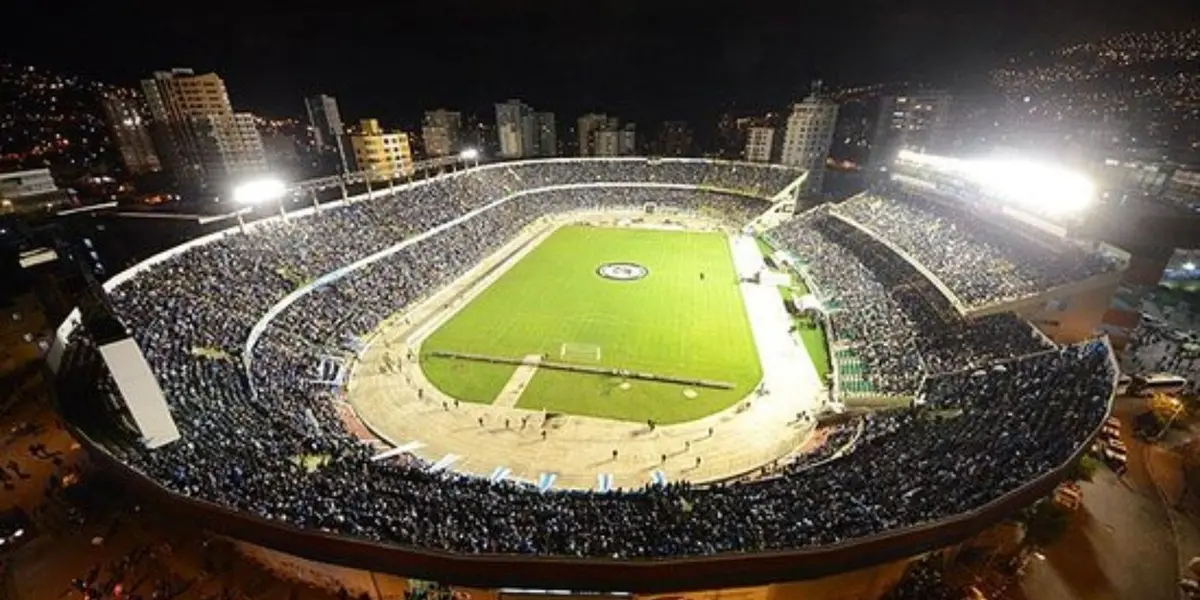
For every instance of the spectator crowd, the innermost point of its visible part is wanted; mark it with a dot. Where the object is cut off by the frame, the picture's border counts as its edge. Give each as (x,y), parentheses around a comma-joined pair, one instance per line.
(891,316)
(980,263)
(978,434)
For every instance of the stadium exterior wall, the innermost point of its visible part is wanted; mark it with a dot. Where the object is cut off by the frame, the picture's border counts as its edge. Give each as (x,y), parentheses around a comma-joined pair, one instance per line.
(1069,316)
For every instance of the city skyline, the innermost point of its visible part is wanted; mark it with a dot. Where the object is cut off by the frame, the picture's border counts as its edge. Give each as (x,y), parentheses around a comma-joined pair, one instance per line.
(649,65)
(1074,103)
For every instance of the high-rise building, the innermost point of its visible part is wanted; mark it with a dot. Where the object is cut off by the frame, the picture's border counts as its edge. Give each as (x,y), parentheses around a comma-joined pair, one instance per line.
(230,146)
(547,134)
(628,140)
(325,120)
(759,141)
(384,155)
(515,129)
(731,136)
(807,138)
(280,150)
(602,135)
(441,131)
(916,122)
(606,142)
(529,134)
(675,139)
(198,136)
(586,127)
(131,133)
(327,127)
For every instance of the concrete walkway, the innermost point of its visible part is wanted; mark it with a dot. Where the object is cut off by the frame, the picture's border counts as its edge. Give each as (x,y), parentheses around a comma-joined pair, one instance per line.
(787,368)
(576,450)
(511,394)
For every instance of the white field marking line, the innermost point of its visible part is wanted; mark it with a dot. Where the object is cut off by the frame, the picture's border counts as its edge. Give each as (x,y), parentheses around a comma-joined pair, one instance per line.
(474,283)
(511,393)
(593,350)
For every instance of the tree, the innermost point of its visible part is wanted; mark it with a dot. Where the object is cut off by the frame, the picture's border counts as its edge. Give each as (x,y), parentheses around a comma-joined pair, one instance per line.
(1045,522)
(1085,469)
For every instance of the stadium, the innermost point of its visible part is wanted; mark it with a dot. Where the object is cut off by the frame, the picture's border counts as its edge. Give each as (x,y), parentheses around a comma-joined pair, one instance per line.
(631,374)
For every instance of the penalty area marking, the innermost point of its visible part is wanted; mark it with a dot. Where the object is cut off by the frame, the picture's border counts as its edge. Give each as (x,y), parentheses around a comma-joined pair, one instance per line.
(579,352)
(520,379)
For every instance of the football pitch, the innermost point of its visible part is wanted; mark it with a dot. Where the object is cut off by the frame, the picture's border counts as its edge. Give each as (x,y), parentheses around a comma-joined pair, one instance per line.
(554,302)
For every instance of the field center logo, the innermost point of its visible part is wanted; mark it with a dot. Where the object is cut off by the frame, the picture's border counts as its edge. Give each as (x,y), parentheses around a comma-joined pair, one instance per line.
(622,271)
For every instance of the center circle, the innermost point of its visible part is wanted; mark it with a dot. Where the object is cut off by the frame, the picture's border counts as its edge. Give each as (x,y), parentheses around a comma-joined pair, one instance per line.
(622,271)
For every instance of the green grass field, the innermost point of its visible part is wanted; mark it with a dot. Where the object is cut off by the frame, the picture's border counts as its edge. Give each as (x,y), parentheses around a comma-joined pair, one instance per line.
(669,323)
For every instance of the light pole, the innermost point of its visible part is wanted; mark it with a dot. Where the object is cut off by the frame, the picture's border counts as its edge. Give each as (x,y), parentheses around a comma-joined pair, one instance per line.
(241,222)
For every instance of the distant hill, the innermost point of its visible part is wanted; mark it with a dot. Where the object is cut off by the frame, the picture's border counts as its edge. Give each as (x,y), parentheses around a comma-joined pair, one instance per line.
(53,119)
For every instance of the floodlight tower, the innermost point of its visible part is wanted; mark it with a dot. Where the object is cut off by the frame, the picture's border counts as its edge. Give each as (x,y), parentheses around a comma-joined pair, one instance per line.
(259,191)
(469,155)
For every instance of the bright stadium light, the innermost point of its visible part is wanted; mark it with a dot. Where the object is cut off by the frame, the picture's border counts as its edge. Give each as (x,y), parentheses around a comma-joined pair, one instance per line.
(943,163)
(1040,188)
(259,191)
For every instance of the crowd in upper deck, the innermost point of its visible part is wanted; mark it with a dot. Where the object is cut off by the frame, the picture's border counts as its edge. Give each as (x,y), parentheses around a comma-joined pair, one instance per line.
(889,315)
(980,262)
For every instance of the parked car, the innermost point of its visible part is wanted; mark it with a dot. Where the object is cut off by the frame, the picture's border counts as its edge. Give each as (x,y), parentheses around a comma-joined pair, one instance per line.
(1068,495)
(1111,429)
(1116,458)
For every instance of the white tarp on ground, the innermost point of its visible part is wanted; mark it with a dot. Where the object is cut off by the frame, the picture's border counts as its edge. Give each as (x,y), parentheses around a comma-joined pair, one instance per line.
(775,278)
(781,258)
(807,302)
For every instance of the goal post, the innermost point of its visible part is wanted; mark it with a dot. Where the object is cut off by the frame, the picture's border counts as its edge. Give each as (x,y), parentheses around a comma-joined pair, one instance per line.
(578,352)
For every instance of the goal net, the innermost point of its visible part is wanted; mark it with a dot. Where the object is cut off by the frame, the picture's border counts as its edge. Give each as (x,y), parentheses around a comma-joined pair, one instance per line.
(577,352)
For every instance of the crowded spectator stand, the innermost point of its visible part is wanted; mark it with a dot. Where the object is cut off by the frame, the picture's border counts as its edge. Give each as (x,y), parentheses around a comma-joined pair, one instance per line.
(1004,425)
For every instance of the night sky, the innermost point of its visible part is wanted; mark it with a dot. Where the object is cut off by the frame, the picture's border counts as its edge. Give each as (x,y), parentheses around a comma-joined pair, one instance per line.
(641,60)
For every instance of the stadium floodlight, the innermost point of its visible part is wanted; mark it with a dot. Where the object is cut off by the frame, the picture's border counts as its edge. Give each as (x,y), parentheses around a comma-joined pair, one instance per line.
(259,191)
(469,154)
(1040,188)
(940,163)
